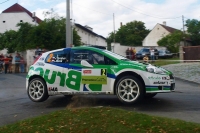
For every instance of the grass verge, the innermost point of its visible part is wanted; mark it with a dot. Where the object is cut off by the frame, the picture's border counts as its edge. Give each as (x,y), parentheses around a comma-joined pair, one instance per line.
(100,120)
(162,62)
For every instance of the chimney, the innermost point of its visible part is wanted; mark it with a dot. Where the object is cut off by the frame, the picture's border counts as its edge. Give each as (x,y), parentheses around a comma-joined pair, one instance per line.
(33,14)
(164,23)
(121,24)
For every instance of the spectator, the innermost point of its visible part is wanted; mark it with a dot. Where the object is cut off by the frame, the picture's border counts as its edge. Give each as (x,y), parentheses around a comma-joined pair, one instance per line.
(131,54)
(6,62)
(17,62)
(152,54)
(1,62)
(146,58)
(22,64)
(10,63)
(127,53)
(134,53)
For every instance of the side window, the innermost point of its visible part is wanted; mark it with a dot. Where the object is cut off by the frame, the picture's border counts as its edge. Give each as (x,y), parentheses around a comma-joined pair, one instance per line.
(57,57)
(77,55)
(109,61)
(97,58)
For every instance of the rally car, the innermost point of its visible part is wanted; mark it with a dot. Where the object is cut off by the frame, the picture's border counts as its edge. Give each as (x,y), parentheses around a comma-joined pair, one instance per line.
(89,70)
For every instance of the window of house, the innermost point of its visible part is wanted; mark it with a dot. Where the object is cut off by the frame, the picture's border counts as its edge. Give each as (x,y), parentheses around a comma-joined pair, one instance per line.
(58,57)
(21,21)
(4,21)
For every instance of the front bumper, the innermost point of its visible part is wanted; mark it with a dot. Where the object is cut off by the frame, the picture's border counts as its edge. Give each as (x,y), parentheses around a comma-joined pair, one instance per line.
(160,85)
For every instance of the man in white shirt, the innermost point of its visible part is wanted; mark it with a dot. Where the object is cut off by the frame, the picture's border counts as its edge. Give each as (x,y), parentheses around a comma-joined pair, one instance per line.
(152,54)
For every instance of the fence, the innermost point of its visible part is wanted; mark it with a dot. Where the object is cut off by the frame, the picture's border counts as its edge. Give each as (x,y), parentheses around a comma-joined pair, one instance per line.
(191,53)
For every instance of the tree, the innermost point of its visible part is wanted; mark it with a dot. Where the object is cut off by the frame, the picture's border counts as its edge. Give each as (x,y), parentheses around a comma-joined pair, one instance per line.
(8,41)
(130,34)
(109,40)
(171,41)
(193,28)
(49,34)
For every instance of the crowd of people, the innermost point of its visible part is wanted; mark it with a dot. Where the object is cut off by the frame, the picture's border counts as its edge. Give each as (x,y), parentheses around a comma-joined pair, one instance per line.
(6,63)
(130,53)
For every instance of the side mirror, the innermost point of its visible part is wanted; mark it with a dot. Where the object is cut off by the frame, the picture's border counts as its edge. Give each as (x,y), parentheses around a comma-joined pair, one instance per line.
(86,64)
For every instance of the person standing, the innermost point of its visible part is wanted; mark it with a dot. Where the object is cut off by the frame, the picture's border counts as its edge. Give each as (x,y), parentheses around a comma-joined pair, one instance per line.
(17,62)
(22,64)
(127,53)
(152,54)
(10,63)
(6,64)
(134,53)
(1,62)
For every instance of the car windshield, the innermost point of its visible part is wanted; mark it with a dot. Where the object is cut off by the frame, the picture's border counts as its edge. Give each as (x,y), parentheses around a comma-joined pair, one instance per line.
(161,51)
(145,50)
(115,55)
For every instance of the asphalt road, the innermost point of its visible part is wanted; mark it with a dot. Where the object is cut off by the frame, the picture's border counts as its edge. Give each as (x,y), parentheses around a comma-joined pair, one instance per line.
(15,104)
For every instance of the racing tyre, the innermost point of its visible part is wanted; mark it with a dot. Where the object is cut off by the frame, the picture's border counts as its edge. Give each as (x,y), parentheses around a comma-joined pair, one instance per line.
(129,90)
(37,90)
(149,95)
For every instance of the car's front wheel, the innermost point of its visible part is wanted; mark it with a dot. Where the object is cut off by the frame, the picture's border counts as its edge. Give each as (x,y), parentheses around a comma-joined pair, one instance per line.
(37,90)
(129,90)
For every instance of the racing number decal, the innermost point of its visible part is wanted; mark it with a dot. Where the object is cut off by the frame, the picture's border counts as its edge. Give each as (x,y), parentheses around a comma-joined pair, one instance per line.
(50,57)
(103,72)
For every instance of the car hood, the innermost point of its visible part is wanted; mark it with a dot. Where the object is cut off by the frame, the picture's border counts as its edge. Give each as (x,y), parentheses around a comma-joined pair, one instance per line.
(140,66)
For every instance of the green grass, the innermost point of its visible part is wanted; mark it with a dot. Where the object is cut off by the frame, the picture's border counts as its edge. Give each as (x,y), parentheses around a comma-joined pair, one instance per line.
(162,62)
(100,120)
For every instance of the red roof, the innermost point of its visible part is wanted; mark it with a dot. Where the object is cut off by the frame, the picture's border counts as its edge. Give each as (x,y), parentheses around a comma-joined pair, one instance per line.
(18,8)
(170,29)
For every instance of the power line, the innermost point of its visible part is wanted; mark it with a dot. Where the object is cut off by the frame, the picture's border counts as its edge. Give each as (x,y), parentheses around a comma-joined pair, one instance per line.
(4,2)
(92,9)
(144,13)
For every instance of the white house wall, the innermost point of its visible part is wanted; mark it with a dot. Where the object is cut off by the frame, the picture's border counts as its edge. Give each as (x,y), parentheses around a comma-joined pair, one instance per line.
(88,38)
(155,35)
(12,19)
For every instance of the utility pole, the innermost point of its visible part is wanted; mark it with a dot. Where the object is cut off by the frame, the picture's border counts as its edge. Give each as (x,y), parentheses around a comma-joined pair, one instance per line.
(114,27)
(183,30)
(68,25)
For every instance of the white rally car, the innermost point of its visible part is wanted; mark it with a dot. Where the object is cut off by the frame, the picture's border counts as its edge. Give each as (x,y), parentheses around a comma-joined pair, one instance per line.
(89,70)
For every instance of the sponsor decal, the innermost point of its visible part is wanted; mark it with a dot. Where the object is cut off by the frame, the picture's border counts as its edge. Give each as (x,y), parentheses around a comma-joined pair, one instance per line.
(166,78)
(154,78)
(40,64)
(53,89)
(94,76)
(160,82)
(87,71)
(158,78)
(71,80)
(94,79)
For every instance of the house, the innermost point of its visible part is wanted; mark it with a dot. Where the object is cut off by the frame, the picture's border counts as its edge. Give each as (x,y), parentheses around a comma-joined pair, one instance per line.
(160,31)
(15,14)
(88,37)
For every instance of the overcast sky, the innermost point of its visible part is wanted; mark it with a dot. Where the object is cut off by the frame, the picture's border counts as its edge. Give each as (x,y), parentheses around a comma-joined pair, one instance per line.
(98,14)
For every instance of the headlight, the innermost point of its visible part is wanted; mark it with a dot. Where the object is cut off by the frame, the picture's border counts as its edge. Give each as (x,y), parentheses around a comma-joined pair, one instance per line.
(153,69)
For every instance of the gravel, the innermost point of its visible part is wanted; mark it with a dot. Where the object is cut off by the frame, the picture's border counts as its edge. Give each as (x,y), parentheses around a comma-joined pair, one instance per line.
(186,71)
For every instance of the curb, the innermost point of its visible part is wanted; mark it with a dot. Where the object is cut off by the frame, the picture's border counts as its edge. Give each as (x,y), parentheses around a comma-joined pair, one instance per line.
(186,80)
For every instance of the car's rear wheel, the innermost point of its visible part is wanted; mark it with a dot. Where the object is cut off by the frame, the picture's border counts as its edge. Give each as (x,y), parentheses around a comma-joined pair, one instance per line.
(129,90)
(150,95)
(37,90)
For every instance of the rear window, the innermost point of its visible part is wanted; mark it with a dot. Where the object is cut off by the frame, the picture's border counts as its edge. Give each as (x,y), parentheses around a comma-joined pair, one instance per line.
(145,50)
